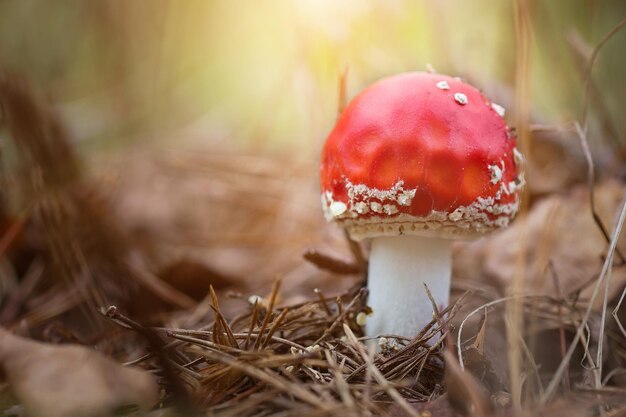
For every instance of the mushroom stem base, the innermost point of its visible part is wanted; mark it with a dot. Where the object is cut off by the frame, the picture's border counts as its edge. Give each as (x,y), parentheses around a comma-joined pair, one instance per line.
(398,269)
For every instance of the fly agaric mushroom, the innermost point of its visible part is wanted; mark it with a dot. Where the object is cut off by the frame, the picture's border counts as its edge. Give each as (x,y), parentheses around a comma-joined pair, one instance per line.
(414,162)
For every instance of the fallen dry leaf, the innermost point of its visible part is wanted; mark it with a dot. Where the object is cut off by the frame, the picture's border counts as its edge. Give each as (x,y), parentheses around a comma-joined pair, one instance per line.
(71,380)
(465,394)
(194,278)
(481,368)
(556,161)
(558,229)
(246,216)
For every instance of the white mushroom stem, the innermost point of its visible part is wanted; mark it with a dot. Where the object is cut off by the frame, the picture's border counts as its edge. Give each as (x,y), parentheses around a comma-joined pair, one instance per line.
(398,269)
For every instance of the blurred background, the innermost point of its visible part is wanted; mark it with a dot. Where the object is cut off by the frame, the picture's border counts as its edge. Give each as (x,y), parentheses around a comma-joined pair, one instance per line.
(201,122)
(149,149)
(263,74)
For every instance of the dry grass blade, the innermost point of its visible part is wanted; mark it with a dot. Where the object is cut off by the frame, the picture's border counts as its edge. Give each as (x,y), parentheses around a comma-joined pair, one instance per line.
(220,326)
(341,317)
(459,340)
(253,320)
(275,326)
(591,184)
(582,53)
(433,303)
(385,385)
(523,87)
(600,348)
(221,329)
(270,310)
(323,303)
(615,313)
(340,382)
(562,341)
(271,378)
(201,342)
(556,378)
(290,372)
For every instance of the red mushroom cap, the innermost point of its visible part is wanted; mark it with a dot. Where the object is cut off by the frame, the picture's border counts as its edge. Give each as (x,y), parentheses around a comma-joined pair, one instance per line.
(421,154)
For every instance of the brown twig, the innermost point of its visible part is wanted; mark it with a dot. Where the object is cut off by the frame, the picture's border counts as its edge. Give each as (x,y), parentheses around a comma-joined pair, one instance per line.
(591,185)
(341,317)
(320,297)
(332,264)
(182,399)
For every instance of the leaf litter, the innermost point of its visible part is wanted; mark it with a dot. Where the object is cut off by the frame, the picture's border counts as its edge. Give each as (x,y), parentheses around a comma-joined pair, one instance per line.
(115,266)
(71,380)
